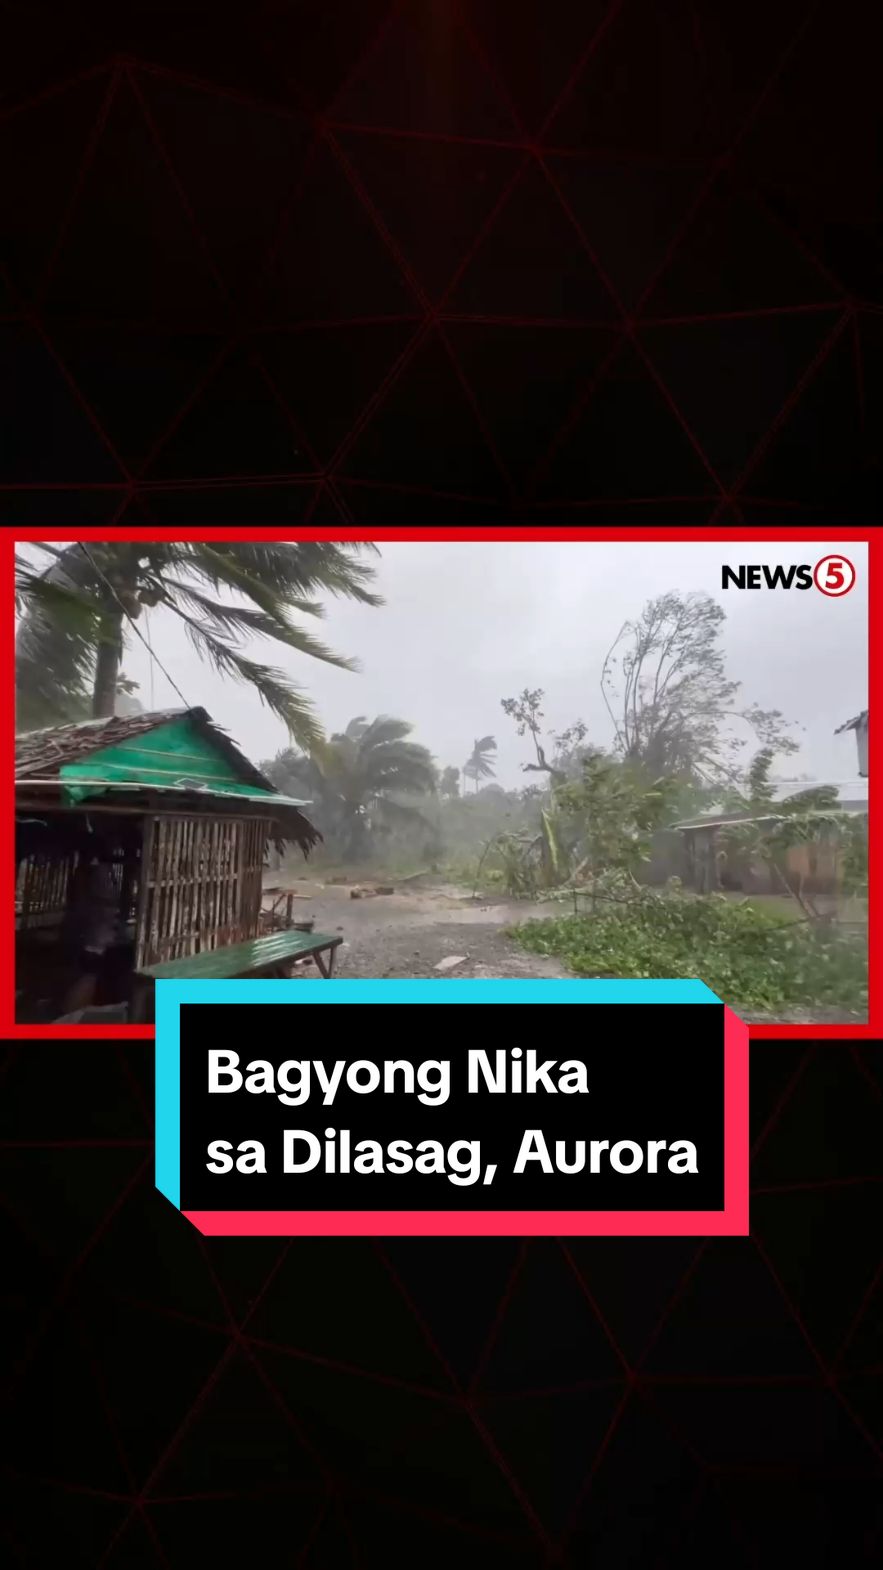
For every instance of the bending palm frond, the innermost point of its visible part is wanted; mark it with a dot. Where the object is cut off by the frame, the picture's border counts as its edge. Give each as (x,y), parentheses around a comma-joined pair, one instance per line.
(237,623)
(357,774)
(76,613)
(272,687)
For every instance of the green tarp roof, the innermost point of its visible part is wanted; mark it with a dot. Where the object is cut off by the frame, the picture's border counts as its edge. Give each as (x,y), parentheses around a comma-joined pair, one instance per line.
(181,754)
(163,758)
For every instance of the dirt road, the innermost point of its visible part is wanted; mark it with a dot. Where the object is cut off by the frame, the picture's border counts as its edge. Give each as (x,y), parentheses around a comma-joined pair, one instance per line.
(409,932)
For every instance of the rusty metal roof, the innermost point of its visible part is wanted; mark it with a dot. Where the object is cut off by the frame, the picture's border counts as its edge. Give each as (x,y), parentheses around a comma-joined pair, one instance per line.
(856,723)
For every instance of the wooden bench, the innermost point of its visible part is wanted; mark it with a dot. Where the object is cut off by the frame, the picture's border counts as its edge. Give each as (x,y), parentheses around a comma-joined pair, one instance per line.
(274,955)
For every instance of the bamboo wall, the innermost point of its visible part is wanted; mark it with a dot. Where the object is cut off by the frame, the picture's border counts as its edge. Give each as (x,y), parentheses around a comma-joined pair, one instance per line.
(42,884)
(200,885)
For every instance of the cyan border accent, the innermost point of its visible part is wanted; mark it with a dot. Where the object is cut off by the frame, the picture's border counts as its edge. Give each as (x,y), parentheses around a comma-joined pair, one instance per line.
(167,1091)
(171,994)
(431,990)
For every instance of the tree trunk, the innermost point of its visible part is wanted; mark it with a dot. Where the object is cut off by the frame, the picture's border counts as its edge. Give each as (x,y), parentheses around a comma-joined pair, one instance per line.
(355,839)
(107,669)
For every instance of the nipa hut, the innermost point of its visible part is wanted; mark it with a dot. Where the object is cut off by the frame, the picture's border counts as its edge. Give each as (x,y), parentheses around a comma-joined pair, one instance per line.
(177,819)
(709,865)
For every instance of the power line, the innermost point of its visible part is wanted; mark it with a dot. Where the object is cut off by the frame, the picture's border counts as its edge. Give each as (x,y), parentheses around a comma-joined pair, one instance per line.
(819,784)
(152,656)
(133,624)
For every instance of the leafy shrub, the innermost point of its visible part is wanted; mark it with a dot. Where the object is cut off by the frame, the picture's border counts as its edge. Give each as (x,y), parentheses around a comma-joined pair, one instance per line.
(749,957)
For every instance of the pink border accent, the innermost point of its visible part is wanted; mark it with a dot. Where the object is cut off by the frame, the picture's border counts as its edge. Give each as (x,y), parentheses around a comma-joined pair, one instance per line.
(567,533)
(732,1221)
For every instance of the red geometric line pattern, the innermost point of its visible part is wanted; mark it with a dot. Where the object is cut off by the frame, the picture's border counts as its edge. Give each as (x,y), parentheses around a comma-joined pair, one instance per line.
(171,1394)
(450,259)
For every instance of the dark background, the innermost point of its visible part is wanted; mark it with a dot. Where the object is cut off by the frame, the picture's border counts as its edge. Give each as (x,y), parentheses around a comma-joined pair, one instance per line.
(374,262)
(653,1073)
(473,260)
(177,1400)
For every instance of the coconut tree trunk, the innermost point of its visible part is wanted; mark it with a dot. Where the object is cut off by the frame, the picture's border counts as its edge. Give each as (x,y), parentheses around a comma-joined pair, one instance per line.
(107,669)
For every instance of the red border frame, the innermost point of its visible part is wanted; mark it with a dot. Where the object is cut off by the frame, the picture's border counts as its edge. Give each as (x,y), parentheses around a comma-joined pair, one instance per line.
(9,537)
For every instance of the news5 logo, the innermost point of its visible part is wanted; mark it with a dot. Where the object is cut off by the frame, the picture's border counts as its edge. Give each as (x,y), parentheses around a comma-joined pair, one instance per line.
(831,575)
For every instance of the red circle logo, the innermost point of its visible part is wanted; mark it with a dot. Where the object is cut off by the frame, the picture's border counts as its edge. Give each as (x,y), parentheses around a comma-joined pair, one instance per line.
(834,575)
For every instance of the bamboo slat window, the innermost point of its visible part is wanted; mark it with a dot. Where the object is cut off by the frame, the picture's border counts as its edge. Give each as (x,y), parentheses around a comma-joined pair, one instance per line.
(200,885)
(45,883)
(42,885)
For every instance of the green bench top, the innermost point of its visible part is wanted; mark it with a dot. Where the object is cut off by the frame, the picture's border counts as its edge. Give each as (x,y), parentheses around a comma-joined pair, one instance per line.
(239,959)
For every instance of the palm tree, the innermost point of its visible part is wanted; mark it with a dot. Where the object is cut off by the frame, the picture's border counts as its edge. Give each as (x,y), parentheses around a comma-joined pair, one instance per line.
(449,784)
(79,612)
(478,765)
(354,779)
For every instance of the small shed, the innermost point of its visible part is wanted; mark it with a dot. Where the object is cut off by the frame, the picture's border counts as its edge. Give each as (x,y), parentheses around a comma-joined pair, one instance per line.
(859,724)
(709,865)
(177,817)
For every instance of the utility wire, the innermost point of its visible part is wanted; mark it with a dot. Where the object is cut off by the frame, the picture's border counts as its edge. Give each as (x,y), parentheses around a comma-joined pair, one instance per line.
(152,655)
(133,624)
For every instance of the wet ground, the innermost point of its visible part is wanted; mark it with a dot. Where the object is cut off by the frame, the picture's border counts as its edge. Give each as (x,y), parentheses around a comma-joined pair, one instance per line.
(409,932)
(424,921)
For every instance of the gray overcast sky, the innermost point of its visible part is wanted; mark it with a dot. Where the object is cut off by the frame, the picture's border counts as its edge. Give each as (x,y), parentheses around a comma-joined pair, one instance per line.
(466,624)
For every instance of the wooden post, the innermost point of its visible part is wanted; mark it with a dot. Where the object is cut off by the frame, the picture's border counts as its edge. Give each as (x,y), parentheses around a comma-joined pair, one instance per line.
(713,879)
(141,934)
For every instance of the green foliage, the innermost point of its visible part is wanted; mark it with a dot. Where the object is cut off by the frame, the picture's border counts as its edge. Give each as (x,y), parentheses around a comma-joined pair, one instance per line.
(551,847)
(854,855)
(525,710)
(752,960)
(568,749)
(760,790)
(527,859)
(519,864)
(615,812)
(758,793)
(666,689)
(808,817)
(88,597)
